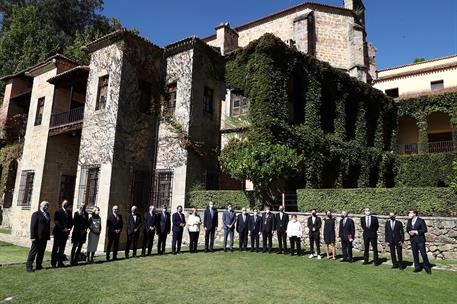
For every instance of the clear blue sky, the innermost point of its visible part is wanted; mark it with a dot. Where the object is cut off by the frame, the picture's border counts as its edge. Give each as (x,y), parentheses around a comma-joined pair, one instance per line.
(401,30)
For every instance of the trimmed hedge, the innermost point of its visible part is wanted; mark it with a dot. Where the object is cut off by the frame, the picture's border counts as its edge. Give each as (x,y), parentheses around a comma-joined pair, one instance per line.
(429,201)
(424,170)
(221,198)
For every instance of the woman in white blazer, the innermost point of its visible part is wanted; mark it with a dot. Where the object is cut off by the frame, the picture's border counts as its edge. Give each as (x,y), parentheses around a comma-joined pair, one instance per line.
(194,221)
(294,233)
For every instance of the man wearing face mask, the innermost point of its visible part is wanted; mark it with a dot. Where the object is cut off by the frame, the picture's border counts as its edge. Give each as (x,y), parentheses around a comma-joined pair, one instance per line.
(114,224)
(63,222)
(346,234)
(163,229)
(179,222)
(281,220)
(395,236)
(417,229)
(210,222)
(314,226)
(133,231)
(242,229)
(40,232)
(268,223)
(150,223)
(255,222)
(370,227)
(229,218)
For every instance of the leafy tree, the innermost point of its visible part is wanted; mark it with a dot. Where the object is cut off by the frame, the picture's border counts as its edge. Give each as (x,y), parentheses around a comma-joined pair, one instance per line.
(419,59)
(266,165)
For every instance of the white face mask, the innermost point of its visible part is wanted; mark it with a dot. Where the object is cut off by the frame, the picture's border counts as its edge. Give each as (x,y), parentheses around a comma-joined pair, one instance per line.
(244,211)
(255,213)
(410,215)
(367,212)
(229,208)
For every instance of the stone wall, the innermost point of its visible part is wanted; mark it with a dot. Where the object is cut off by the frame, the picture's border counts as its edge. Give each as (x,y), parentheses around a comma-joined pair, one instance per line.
(441,236)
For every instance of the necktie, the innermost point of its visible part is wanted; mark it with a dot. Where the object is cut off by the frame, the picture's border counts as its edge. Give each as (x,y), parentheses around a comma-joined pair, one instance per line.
(368,221)
(244,218)
(211,210)
(344,222)
(45,216)
(265,222)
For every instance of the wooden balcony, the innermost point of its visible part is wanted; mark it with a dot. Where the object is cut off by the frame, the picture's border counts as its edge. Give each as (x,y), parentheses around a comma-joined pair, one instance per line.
(66,121)
(433,147)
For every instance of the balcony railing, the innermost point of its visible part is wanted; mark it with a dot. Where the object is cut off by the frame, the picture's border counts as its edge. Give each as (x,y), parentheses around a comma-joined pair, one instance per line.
(441,146)
(72,116)
(433,147)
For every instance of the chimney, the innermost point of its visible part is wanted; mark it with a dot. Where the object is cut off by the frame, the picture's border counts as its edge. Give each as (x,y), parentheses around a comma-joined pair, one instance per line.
(227,38)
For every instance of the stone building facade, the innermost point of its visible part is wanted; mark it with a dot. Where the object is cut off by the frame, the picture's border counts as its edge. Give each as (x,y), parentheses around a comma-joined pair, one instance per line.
(141,124)
(332,34)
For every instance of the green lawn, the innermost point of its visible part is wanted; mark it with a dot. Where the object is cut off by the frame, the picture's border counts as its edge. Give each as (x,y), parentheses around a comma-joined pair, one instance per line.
(12,254)
(226,278)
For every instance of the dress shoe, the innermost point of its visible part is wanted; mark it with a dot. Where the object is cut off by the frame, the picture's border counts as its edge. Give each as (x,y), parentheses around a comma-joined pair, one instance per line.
(428,270)
(417,270)
(39,267)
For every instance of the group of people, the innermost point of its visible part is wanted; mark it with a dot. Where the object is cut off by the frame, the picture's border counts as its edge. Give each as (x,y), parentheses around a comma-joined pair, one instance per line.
(245,224)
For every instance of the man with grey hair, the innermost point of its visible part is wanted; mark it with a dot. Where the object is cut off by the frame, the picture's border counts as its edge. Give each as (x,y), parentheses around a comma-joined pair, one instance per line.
(133,231)
(63,222)
(40,232)
(114,224)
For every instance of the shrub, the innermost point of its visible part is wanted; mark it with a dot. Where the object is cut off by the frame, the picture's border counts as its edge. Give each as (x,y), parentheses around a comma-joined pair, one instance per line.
(424,170)
(239,199)
(428,200)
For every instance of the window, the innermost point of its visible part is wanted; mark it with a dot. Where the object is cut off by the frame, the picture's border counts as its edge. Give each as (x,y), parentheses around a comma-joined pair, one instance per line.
(239,104)
(88,186)
(392,93)
(170,100)
(208,103)
(39,111)
(26,188)
(437,85)
(163,188)
(145,96)
(102,92)
(67,188)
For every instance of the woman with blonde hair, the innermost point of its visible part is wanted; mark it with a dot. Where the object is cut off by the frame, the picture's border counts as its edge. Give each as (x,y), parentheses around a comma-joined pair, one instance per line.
(194,221)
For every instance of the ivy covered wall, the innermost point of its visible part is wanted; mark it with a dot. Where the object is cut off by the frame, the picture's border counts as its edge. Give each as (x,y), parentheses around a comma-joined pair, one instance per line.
(343,128)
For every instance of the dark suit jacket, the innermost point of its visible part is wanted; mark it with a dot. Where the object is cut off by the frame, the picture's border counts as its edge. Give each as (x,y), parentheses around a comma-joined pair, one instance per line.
(164,223)
(150,220)
(254,226)
(114,224)
(242,226)
(132,224)
(208,222)
(346,230)
(281,225)
(372,232)
(394,236)
(268,222)
(62,220)
(177,221)
(40,228)
(317,224)
(421,228)
(229,218)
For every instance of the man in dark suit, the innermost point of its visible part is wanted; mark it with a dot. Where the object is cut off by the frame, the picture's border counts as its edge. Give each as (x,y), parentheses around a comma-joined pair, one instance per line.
(346,234)
(242,227)
(229,219)
(395,236)
(114,224)
(210,222)
(314,225)
(133,231)
(370,227)
(255,223)
(417,228)
(40,232)
(281,221)
(150,223)
(163,229)
(63,222)
(268,224)
(179,222)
